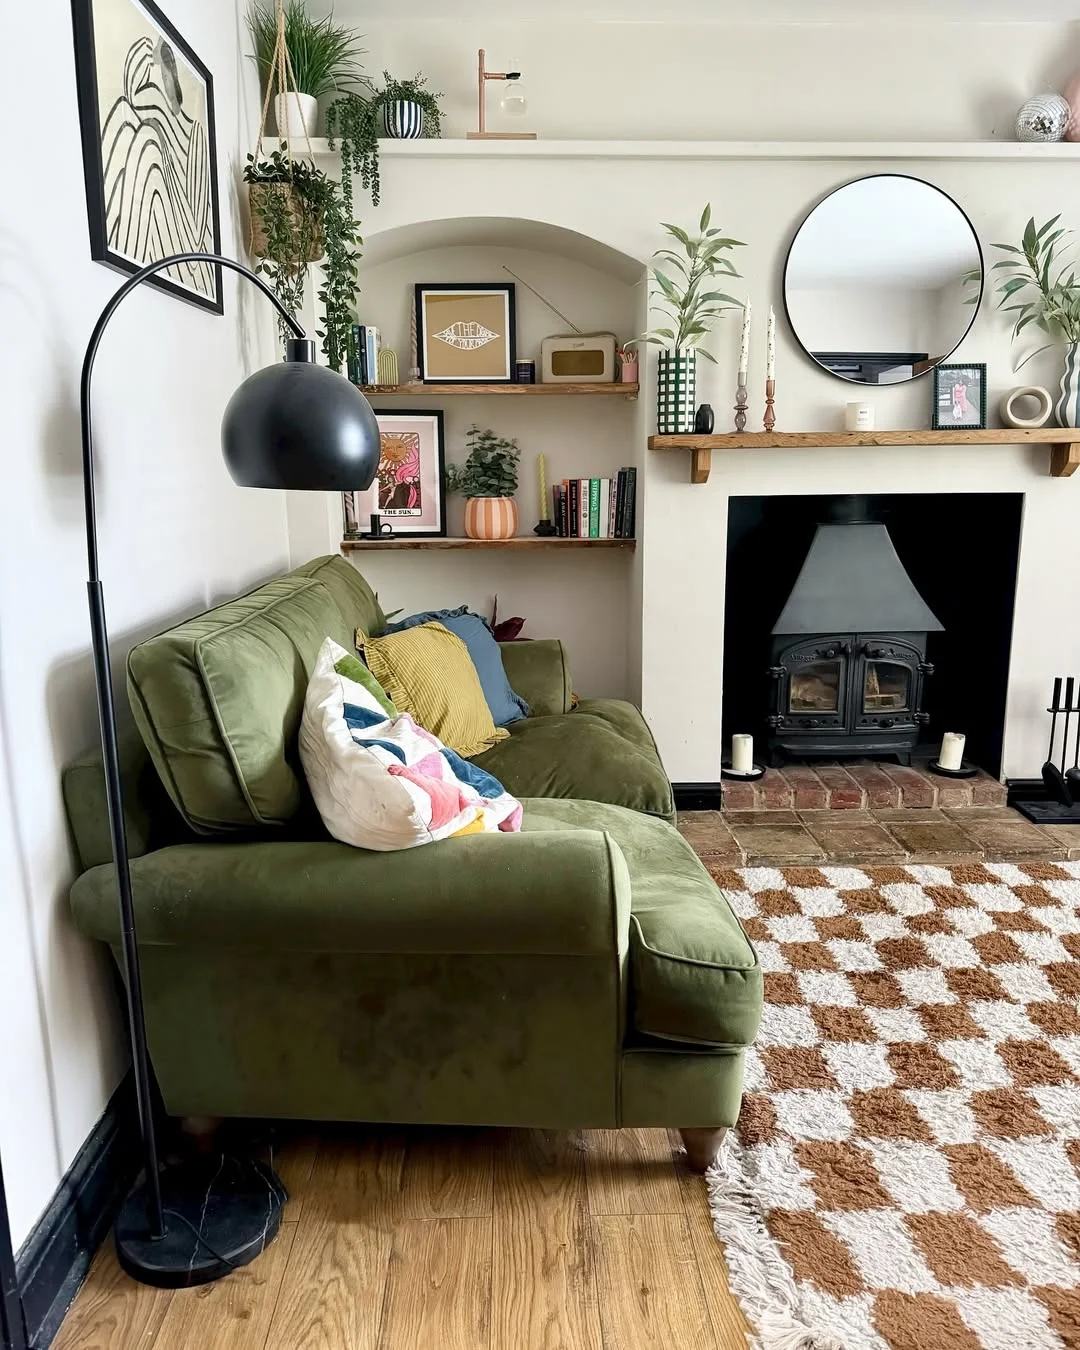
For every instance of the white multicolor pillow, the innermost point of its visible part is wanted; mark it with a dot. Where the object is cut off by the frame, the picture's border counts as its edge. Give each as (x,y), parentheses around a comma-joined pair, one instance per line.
(379,780)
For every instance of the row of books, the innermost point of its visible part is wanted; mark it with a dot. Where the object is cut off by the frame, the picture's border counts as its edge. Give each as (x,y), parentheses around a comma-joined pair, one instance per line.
(363,354)
(596,508)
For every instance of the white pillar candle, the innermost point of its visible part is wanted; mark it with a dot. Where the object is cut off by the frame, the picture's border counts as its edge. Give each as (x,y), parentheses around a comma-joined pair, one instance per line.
(858,417)
(744,349)
(742,754)
(770,346)
(951,754)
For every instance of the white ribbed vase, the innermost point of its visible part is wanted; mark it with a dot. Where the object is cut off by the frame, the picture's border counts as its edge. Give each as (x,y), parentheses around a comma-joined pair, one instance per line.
(676,390)
(1067,407)
(491,517)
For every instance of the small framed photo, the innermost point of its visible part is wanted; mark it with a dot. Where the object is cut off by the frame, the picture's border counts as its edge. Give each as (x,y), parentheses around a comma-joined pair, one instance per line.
(465,333)
(959,396)
(409,491)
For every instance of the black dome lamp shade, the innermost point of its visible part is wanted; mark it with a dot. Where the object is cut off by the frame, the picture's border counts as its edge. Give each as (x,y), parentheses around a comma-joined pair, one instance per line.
(300,425)
(294,425)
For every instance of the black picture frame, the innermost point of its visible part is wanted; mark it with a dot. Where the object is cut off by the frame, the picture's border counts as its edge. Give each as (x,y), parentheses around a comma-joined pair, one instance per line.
(505,288)
(357,512)
(945,380)
(181,234)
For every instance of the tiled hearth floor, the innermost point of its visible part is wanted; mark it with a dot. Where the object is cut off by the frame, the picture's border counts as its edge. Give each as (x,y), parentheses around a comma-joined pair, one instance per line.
(868,813)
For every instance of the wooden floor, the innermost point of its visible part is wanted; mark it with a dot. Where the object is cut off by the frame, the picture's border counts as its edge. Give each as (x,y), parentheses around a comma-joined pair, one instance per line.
(452,1240)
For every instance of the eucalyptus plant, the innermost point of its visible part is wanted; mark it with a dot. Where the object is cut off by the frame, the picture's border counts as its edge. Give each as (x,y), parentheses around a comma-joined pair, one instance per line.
(490,469)
(356,121)
(324,56)
(682,287)
(1043,285)
(301,212)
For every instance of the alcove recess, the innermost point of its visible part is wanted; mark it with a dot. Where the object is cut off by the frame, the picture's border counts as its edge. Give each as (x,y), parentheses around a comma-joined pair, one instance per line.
(588,596)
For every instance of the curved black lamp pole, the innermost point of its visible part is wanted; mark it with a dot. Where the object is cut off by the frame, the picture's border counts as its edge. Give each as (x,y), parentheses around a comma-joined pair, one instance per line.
(293,425)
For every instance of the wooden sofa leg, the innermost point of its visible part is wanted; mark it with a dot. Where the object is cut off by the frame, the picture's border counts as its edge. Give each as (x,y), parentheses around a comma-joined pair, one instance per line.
(702,1146)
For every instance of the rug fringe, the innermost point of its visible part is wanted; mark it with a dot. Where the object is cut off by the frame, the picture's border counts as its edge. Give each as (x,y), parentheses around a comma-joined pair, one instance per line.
(760,1277)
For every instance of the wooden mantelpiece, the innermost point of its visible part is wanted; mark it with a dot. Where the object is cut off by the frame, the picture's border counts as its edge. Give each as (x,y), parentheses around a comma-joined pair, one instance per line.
(1064,443)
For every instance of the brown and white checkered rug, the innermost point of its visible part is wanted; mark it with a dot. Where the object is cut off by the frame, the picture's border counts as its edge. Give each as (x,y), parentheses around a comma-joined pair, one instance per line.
(910,1134)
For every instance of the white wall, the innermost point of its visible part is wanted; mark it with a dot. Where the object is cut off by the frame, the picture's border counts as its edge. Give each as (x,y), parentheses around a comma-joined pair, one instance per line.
(683,528)
(176,535)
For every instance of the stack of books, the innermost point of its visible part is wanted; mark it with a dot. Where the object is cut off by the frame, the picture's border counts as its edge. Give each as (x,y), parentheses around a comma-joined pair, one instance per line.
(595,508)
(363,355)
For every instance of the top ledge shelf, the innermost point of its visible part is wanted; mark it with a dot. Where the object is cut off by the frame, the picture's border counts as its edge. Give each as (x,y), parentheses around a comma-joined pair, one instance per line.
(419,390)
(1064,443)
(667,150)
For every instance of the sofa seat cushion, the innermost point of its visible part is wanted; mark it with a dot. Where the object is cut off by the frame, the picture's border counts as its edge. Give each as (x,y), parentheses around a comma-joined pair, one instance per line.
(602,752)
(694,976)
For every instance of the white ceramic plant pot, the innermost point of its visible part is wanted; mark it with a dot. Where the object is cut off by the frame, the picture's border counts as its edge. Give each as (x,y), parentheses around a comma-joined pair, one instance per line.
(1067,408)
(296,114)
(676,390)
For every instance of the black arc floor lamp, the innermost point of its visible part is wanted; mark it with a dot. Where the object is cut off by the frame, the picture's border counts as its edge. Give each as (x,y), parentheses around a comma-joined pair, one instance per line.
(293,425)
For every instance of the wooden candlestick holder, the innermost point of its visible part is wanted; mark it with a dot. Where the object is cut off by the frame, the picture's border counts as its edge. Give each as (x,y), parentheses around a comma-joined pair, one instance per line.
(741,404)
(770,400)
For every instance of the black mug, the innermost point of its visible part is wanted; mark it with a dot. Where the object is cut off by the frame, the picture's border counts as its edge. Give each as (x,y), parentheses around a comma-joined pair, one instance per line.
(378,529)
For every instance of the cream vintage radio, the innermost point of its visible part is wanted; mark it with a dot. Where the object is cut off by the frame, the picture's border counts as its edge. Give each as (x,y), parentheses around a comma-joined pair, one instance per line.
(578,358)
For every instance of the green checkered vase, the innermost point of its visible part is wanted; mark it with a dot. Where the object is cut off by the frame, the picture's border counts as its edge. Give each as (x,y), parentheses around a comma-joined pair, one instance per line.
(1067,408)
(676,389)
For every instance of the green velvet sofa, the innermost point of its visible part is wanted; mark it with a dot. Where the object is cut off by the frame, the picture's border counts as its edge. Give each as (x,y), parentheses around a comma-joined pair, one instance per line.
(585,972)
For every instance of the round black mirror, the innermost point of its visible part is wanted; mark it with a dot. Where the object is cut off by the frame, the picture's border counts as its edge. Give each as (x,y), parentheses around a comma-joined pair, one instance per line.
(883,279)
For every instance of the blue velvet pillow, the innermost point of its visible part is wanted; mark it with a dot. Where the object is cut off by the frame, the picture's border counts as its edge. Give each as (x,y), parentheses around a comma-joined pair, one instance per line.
(505,705)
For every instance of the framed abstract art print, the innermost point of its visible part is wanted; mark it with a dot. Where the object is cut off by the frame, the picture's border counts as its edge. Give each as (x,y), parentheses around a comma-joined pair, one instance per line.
(465,332)
(146,106)
(409,491)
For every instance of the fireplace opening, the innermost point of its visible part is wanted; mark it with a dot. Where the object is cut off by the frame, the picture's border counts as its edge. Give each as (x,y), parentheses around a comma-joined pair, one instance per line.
(864,627)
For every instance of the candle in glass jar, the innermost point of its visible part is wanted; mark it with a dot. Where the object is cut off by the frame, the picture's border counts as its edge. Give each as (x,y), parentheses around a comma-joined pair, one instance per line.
(541,469)
(744,349)
(951,754)
(770,346)
(742,754)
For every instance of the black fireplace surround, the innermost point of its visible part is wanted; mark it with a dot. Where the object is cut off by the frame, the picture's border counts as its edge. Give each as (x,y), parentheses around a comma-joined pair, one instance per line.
(948,563)
(849,648)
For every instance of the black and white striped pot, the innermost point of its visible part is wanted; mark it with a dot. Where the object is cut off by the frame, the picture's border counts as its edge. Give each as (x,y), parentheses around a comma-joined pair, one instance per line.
(403,120)
(676,389)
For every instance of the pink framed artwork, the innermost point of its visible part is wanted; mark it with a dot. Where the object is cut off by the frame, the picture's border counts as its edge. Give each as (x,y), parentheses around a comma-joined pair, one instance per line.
(409,491)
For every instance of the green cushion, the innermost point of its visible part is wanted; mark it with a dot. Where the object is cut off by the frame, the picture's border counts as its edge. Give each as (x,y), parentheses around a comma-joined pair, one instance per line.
(219,698)
(358,603)
(603,752)
(694,976)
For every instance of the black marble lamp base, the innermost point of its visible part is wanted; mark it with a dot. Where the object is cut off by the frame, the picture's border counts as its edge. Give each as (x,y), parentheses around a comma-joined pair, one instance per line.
(221,1212)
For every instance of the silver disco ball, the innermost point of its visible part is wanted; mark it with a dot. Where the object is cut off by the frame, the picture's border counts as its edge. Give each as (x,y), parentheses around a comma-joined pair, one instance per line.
(1045,117)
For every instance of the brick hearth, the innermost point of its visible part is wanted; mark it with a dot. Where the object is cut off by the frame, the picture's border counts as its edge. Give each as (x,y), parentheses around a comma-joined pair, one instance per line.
(860,787)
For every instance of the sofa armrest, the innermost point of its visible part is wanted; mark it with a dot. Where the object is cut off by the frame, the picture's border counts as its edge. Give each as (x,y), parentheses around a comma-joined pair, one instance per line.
(538,671)
(561,892)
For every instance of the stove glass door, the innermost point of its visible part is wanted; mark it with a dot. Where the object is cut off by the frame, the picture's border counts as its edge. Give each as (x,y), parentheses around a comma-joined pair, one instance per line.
(886,687)
(815,687)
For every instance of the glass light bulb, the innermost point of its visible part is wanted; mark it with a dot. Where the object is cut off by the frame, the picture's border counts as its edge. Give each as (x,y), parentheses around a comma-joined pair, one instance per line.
(513,101)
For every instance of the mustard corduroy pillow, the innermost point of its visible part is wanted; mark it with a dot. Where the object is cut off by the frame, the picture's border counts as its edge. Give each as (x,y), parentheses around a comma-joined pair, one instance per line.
(427,672)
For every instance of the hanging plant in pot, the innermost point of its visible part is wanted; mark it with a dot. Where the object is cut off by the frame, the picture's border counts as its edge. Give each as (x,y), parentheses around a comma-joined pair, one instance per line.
(298,216)
(487,480)
(324,59)
(692,309)
(400,110)
(1046,292)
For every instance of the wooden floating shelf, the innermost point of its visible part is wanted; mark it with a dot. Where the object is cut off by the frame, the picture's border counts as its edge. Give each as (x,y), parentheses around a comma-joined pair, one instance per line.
(521,541)
(1064,443)
(552,390)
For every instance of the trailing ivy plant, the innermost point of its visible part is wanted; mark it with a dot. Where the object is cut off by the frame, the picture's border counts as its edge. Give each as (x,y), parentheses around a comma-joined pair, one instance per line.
(1045,288)
(490,469)
(303,213)
(356,121)
(690,307)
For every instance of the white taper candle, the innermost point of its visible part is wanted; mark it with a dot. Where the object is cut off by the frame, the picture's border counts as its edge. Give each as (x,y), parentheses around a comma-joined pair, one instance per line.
(770,347)
(744,349)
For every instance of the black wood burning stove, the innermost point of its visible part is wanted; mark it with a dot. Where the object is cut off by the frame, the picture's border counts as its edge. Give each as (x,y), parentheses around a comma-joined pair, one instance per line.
(849,649)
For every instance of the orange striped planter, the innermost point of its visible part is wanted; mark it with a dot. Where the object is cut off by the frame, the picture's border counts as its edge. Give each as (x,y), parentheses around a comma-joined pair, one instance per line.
(491,517)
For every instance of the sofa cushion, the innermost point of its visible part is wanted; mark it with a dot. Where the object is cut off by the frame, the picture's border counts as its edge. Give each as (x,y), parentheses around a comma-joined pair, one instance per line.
(694,976)
(218,700)
(358,603)
(603,752)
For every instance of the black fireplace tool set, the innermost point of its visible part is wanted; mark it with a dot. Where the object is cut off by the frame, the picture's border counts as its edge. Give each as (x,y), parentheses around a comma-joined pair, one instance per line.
(1061,804)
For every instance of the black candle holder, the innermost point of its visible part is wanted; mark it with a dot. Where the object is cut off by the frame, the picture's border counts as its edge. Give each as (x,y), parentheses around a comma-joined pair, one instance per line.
(545,528)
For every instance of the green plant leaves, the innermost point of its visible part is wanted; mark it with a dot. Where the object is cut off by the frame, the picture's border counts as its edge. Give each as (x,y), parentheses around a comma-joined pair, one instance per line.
(490,469)
(683,296)
(1051,301)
